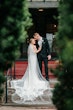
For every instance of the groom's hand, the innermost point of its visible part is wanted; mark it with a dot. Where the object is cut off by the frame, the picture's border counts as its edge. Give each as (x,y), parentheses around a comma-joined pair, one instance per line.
(49,57)
(39,48)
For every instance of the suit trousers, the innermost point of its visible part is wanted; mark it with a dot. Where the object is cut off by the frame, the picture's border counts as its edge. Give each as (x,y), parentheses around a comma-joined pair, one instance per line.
(45,60)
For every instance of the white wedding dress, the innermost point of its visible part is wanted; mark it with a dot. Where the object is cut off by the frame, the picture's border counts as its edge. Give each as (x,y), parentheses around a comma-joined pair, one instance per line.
(32,87)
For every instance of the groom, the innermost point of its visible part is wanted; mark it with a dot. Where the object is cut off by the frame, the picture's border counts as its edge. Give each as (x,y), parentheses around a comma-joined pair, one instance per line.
(44,54)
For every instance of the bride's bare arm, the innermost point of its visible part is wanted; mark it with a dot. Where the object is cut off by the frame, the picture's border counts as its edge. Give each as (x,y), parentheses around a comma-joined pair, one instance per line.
(36,50)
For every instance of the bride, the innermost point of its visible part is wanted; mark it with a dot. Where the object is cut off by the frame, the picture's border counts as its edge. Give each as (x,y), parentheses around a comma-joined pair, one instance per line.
(32,86)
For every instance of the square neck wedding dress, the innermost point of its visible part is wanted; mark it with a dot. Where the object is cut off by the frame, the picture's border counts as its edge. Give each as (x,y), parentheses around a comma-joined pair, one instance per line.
(32,87)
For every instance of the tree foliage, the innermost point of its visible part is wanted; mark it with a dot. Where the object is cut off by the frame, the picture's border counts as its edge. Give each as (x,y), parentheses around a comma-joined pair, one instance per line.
(63,92)
(14,23)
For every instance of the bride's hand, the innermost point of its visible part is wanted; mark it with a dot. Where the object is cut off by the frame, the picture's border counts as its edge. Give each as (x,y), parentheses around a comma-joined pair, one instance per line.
(37,50)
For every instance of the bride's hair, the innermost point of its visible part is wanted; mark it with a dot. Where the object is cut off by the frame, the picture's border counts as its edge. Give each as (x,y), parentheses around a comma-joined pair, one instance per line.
(31,40)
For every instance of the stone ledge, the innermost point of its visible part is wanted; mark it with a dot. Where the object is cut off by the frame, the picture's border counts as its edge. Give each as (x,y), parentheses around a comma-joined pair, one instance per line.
(49,4)
(31,106)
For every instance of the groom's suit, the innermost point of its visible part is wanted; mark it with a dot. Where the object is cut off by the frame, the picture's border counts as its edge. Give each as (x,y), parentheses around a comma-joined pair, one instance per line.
(42,55)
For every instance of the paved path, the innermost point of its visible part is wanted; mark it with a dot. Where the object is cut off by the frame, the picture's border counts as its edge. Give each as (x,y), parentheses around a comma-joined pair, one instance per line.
(24,108)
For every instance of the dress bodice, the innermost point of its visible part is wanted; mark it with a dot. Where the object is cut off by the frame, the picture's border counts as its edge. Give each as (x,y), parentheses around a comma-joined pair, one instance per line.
(31,51)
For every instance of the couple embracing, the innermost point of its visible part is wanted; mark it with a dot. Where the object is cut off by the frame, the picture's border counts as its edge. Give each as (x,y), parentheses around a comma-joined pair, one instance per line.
(33,85)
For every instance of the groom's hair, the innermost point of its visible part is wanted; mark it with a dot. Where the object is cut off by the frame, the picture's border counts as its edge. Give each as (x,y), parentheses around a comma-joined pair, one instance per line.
(36,33)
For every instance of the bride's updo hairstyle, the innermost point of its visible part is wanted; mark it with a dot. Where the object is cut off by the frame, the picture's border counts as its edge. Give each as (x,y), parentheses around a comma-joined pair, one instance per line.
(31,40)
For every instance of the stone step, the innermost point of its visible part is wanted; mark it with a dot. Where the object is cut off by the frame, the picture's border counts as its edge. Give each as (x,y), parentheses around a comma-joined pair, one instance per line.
(9,100)
(30,106)
(49,105)
(10,91)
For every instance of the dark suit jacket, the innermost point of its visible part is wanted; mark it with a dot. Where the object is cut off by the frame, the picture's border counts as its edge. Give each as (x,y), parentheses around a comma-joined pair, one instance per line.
(45,51)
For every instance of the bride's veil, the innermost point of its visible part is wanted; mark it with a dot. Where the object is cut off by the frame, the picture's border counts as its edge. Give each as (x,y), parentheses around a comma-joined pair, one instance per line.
(32,88)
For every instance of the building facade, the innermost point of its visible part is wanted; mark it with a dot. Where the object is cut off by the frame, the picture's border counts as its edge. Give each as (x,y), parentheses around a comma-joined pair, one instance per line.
(44,15)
